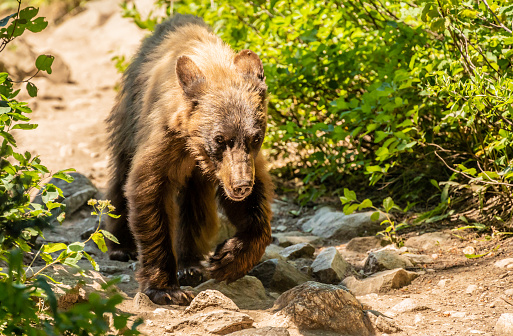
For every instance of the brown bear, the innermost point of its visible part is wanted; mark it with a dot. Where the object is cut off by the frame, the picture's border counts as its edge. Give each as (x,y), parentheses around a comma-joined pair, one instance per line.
(185,135)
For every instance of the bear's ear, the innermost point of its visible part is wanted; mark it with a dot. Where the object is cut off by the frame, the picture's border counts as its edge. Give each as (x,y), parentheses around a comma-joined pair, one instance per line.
(250,64)
(190,77)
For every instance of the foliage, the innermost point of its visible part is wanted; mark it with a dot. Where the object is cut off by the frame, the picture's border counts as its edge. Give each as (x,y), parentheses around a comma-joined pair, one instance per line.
(351,204)
(28,305)
(400,92)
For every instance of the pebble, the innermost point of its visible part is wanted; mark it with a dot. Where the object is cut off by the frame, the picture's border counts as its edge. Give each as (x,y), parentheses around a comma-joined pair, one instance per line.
(469,250)
(471,289)
(504,263)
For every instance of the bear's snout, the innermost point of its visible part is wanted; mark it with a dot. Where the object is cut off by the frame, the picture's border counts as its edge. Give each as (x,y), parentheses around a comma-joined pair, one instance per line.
(242,188)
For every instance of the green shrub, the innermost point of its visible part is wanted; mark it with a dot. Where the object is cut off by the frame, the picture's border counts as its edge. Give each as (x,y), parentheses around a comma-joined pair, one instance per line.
(28,305)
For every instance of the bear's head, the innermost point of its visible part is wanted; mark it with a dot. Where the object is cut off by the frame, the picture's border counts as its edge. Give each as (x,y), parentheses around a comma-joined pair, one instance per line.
(228,119)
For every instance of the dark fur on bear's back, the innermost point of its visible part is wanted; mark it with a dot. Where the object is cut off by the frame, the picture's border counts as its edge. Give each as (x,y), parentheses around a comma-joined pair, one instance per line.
(186,131)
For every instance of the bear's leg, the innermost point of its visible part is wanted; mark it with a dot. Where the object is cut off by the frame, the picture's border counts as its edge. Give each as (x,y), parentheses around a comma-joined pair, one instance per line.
(152,217)
(126,249)
(197,227)
(252,217)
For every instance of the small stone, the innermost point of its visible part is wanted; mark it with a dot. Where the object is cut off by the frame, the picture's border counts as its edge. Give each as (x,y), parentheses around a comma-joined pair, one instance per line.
(419,259)
(442,283)
(303,250)
(124,278)
(247,292)
(504,263)
(434,256)
(428,241)
(109,269)
(265,331)
(471,289)
(313,305)
(219,322)
(272,252)
(379,282)
(469,250)
(286,239)
(143,302)
(210,299)
(504,325)
(364,244)
(509,292)
(281,228)
(278,275)
(330,266)
(407,305)
(386,325)
(385,260)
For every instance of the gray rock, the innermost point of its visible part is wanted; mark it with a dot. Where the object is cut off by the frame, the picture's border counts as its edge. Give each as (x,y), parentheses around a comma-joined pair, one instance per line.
(272,252)
(278,275)
(295,237)
(88,226)
(247,292)
(76,193)
(330,266)
(504,263)
(266,331)
(219,322)
(210,299)
(303,250)
(504,325)
(313,305)
(428,241)
(380,282)
(364,244)
(419,259)
(328,223)
(385,260)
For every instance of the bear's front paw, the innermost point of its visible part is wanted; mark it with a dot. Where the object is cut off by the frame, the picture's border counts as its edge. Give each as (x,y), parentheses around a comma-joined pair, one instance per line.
(228,262)
(172,295)
(191,276)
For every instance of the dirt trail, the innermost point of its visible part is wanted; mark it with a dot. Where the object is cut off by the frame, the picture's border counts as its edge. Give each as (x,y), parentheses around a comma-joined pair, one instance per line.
(453,296)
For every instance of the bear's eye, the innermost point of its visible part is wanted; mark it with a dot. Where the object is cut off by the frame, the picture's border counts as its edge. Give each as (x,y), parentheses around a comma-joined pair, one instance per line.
(219,140)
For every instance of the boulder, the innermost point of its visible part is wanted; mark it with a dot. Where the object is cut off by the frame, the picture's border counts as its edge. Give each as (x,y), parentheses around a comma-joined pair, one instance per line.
(302,250)
(314,305)
(365,244)
(330,266)
(218,322)
(278,275)
(385,260)
(332,224)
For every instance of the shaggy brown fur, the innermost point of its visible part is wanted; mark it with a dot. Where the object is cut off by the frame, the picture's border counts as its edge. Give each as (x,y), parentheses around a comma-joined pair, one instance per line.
(187,130)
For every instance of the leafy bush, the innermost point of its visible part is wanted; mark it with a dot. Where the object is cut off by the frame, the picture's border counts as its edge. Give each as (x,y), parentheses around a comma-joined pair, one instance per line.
(409,94)
(28,305)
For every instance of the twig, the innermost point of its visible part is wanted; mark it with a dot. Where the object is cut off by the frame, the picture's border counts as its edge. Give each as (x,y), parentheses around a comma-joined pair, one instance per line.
(496,18)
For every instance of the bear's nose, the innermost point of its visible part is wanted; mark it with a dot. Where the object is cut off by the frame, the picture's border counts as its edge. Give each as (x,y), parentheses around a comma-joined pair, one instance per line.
(242,188)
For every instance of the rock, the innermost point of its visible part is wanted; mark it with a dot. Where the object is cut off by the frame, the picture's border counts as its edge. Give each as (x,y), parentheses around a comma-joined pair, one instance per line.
(385,260)
(303,250)
(266,331)
(278,275)
(295,237)
(247,292)
(328,223)
(471,289)
(469,250)
(281,228)
(428,241)
(143,303)
(87,232)
(272,252)
(210,299)
(504,263)
(407,305)
(111,269)
(76,193)
(313,305)
(504,325)
(380,282)
(383,323)
(219,322)
(329,266)
(364,244)
(418,259)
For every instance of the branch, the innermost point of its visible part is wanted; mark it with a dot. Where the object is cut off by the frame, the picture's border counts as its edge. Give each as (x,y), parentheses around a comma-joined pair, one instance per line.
(496,18)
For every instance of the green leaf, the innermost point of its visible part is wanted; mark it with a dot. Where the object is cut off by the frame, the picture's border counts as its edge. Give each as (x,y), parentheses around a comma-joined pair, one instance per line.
(92,261)
(367,203)
(37,25)
(54,247)
(25,126)
(349,194)
(28,13)
(350,208)
(97,237)
(32,89)
(110,236)
(3,76)
(63,176)
(375,216)
(388,204)
(44,63)
(76,247)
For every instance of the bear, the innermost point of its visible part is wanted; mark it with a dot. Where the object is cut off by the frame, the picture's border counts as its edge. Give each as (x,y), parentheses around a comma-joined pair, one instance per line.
(185,137)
